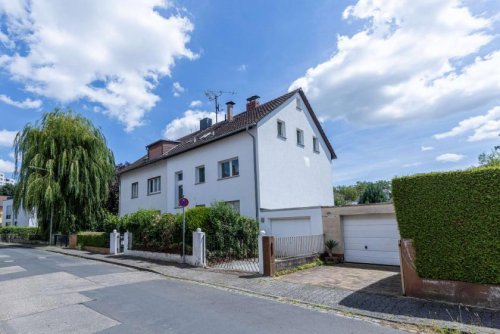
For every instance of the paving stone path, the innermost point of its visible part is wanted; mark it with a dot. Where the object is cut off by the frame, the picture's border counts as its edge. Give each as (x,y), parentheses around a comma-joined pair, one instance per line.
(386,307)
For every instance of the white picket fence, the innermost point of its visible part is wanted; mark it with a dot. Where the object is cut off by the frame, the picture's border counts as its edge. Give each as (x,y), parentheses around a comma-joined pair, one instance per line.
(304,245)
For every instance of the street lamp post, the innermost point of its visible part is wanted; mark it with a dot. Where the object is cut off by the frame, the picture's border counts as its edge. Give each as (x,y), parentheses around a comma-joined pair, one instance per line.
(51,207)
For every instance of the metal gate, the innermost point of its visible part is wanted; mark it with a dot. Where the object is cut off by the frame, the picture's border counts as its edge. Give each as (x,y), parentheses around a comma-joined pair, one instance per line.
(233,253)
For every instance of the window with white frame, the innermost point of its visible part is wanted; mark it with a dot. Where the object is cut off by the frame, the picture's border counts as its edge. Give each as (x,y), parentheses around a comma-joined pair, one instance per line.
(300,137)
(200,174)
(298,103)
(229,168)
(135,189)
(179,187)
(235,205)
(154,185)
(315,145)
(281,129)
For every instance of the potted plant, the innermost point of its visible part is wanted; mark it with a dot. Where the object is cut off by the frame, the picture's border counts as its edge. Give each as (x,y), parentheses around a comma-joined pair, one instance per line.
(331,258)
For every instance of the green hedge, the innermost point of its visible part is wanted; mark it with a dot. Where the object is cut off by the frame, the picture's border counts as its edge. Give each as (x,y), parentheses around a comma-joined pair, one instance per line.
(24,232)
(93,239)
(454,221)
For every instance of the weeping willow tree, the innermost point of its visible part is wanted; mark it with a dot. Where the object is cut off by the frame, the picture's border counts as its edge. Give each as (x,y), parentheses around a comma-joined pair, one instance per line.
(64,168)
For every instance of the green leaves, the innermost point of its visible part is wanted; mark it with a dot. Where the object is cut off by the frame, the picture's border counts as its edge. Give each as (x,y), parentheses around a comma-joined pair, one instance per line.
(454,221)
(63,163)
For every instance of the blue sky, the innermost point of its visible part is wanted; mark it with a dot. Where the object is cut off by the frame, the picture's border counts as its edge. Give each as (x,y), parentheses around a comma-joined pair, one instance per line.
(401,87)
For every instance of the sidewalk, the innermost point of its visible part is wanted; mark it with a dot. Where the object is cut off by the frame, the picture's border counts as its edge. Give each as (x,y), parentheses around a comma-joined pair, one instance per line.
(390,308)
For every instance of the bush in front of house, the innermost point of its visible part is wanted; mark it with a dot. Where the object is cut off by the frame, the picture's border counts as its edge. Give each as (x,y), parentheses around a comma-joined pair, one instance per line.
(454,221)
(26,233)
(93,239)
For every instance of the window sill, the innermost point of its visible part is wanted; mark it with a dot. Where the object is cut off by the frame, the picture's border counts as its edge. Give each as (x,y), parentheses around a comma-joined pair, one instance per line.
(317,152)
(281,137)
(197,183)
(134,197)
(301,145)
(156,193)
(227,178)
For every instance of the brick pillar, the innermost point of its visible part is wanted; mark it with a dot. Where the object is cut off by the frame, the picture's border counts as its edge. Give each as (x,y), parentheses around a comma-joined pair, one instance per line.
(268,255)
(73,241)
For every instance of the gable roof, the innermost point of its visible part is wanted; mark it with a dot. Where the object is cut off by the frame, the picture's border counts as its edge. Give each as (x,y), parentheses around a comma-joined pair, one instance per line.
(240,122)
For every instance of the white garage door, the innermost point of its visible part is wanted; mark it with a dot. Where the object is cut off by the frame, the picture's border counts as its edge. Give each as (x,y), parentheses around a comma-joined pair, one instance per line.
(290,226)
(371,239)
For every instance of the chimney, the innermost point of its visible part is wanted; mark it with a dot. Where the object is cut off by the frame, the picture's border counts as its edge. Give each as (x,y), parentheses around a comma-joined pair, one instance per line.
(229,111)
(253,102)
(205,123)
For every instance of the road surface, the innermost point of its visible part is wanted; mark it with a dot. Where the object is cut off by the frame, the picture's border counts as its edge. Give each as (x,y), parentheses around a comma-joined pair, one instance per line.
(43,292)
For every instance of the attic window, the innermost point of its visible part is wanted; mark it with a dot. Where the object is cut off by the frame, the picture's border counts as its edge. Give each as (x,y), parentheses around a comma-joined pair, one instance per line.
(298,103)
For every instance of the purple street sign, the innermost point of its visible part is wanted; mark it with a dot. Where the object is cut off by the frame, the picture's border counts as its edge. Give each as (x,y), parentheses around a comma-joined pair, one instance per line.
(183,202)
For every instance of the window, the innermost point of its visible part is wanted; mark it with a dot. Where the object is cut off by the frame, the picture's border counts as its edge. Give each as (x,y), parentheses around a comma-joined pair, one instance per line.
(235,205)
(200,174)
(298,103)
(135,189)
(300,137)
(229,168)
(179,187)
(315,145)
(154,185)
(8,212)
(281,129)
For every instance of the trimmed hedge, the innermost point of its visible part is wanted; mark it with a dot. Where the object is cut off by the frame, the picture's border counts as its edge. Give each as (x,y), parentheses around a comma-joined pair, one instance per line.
(23,232)
(454,221)
(93,239)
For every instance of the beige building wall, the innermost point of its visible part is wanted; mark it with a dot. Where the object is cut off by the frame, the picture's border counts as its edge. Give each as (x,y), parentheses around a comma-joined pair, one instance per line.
(332,219)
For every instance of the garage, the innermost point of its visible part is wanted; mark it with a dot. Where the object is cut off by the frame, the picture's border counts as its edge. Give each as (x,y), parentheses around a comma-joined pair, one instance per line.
(371,239)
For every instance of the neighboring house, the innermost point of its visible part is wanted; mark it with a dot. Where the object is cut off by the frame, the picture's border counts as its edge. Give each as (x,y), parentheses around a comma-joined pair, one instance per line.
(271,162)
(23,218)
(2,198)
(5,180)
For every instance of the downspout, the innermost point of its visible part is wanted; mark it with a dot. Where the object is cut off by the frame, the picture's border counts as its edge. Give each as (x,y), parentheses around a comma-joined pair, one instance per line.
(255,174)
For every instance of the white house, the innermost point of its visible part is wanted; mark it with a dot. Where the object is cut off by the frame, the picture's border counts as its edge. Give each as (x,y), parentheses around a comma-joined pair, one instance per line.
(23,217)
(271,162)
(5,180)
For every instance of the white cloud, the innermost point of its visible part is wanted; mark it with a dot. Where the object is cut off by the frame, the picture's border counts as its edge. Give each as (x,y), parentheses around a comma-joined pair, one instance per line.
(112,53)
(188,123)
(26,104)
(6,166)
(427,148)
(195,103)
(484,127)
(449,157)
(242,68)
(7,137)
(177,89)
(413,59)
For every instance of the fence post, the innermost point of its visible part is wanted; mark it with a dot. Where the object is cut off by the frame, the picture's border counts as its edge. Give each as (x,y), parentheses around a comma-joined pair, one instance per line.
(114,242)
(269,255)
(261,253)
(199,254)
(127,242)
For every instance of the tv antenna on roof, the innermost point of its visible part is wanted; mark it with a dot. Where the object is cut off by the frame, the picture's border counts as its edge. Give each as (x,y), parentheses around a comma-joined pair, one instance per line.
(213,95)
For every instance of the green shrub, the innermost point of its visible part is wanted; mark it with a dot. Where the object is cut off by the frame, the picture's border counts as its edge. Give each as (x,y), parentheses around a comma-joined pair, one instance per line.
(454,221)
(108,223)
(23,232)
(93,239)
(374,193)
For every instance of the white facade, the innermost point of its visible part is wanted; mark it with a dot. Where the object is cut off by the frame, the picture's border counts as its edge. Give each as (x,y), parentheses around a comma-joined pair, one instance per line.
(238,188)
(22,219)
(289,176)
(5,180)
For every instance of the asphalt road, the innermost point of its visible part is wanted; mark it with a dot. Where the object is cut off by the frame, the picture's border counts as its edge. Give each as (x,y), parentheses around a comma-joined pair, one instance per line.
(43,292)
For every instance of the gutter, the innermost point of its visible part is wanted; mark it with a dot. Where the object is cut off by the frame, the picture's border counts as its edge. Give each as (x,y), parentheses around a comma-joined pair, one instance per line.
(255,175)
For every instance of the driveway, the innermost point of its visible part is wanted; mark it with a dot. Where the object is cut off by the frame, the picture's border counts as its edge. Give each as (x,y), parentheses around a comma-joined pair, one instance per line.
(356,277)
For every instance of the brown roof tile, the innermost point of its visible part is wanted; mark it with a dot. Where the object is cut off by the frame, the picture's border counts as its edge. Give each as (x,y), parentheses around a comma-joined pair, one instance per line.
(226,128)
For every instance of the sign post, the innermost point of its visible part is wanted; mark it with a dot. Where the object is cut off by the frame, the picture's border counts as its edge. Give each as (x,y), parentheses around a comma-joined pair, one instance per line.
(183,202)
